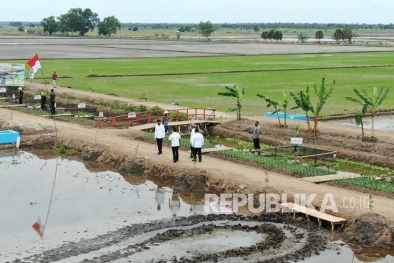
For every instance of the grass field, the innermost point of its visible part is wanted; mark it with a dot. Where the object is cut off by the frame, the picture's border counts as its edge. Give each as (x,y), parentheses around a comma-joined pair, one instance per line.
(195,82)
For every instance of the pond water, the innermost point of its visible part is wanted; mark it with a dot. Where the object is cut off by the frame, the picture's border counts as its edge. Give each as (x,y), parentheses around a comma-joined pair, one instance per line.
(384,123)
(77,204)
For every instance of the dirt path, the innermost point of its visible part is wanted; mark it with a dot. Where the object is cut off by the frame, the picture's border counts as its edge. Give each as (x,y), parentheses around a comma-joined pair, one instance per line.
(252,179)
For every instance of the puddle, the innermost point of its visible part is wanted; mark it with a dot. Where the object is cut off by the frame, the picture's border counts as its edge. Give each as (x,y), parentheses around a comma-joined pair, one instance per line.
(91,214)
(384,123)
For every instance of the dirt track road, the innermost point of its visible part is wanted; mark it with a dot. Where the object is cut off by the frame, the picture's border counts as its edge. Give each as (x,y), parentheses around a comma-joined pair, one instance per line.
(252,178)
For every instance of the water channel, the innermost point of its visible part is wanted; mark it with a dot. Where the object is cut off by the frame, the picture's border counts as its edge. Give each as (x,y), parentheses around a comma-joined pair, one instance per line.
(76,204)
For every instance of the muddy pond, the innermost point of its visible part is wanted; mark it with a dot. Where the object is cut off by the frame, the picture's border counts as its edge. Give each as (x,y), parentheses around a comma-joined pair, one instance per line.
(98,216)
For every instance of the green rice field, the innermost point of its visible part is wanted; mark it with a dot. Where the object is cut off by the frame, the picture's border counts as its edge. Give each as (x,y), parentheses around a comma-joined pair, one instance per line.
(195,81)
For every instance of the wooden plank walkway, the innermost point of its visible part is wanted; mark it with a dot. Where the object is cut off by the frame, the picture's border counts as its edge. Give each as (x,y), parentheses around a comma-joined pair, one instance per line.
(60,115)
(330,177)
(171,124)
(13,105)
(334,220)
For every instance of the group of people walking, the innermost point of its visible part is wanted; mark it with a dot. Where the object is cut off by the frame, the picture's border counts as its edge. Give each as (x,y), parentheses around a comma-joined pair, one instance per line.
(196,139)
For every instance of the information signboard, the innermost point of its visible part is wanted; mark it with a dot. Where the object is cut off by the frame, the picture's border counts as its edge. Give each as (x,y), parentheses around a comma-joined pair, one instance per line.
(12,74)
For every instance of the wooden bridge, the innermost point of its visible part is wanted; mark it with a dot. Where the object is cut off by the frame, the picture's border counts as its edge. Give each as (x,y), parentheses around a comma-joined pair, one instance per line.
(296,208)
(149,118)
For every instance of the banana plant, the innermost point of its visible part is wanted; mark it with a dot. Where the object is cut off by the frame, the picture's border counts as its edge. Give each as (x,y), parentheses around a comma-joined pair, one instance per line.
(370,103)
(278,106)
(322,96)
(359,121)
(303,101)
(235,92)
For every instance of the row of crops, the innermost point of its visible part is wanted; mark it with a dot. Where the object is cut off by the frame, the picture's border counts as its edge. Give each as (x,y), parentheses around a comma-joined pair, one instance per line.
(244,152)
(370,182)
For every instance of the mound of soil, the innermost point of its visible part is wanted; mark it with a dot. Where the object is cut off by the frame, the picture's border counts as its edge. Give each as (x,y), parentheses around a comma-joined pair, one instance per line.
(371,230)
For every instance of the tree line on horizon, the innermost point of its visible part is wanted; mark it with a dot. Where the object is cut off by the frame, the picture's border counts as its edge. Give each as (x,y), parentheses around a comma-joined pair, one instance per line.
(81,21)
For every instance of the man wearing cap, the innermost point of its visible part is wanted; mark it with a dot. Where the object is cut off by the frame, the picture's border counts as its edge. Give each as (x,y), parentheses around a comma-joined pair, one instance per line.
(165,121)
(20,95)
(192,132)
(159,135)
(43,101)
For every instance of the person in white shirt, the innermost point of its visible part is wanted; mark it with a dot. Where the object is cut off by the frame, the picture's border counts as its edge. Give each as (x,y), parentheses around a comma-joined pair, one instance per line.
(159,135)
(192,127)
(174,138)
(198,142)
(174,204)
(31,75)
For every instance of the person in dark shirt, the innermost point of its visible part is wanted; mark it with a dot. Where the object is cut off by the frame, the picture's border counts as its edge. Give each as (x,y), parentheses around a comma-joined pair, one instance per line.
(20,95)
(43,101)
(52,99)
(256,137)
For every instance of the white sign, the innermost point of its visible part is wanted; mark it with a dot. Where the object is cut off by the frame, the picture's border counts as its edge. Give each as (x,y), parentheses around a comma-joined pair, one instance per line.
(37,97)
(3,90)
(81,105)
(132,115)
(296,141)
(101,114)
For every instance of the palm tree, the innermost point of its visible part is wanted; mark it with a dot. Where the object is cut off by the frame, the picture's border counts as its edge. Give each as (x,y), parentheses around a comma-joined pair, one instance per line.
(370,104)
(237,93)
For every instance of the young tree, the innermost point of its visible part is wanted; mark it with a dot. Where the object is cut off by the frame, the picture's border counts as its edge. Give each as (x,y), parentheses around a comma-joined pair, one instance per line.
(50,25)
(322,95)
(256,28)
(235,92)
(302,37)
(370,103)
(303,102)
(278,106)
(359,121)
(319,35)
(206,28)
(108,26)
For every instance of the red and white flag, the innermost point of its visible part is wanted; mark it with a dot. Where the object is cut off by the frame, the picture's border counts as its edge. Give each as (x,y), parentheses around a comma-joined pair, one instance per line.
(39,227)
(34,63)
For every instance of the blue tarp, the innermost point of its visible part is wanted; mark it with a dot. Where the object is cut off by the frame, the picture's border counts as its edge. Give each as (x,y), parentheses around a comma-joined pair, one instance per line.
(288,115)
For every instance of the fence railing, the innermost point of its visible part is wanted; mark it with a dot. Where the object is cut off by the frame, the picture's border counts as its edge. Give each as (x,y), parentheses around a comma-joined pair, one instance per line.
(145,117)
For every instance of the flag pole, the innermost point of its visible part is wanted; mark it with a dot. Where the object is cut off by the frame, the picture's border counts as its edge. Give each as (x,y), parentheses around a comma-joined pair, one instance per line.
(45,81)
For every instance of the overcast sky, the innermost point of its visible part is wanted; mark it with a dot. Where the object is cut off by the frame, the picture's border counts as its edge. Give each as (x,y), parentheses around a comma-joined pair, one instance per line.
(217,11)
